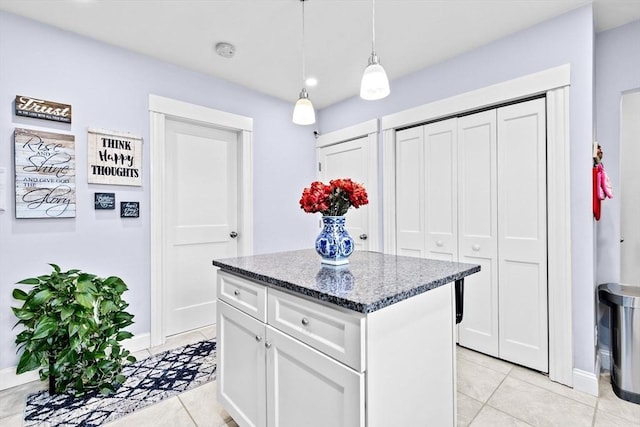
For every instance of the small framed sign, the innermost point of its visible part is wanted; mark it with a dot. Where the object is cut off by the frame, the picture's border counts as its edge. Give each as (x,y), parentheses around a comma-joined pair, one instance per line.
(129,209)
(104,201)
(40,109)
(114,158)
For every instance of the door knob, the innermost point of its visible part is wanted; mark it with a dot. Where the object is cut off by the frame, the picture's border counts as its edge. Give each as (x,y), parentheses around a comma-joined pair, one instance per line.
(233,234)
(363,237)
(475,247)
(439,243)
(267,344)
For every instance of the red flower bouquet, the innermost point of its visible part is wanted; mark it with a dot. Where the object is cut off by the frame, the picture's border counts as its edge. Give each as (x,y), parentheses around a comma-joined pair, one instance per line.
(334,199)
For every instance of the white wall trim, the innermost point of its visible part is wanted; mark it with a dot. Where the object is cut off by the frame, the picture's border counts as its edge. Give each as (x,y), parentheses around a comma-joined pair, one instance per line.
(521,87)
(554,82)
(159,109)
(367,129)
(585,382)
(348,133)
(559,237)
(173,107)
(9,378)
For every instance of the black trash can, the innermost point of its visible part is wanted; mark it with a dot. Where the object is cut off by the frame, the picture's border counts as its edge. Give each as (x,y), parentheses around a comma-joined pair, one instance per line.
(624,303)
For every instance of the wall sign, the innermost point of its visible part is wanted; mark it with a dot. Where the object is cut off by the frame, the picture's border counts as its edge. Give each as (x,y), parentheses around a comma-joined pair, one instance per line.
(45,174)
(41,109)
(129,209)
(114,158)
(104,201)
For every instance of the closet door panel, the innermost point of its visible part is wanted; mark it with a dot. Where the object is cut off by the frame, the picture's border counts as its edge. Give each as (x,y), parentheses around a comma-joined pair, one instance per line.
(410,188)
(477,198)
(441,190)
(522,238)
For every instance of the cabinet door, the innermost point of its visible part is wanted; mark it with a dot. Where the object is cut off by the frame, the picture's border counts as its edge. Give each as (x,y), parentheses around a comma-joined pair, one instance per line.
(307,388)
(410,188)
(522,215)
(241,366)
(478,244)
(441,195)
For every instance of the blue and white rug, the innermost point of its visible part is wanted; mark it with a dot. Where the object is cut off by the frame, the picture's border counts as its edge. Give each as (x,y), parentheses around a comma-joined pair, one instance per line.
(148,381)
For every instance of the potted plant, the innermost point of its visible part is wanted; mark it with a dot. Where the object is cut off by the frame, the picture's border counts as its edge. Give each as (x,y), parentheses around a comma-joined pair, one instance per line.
(73,327)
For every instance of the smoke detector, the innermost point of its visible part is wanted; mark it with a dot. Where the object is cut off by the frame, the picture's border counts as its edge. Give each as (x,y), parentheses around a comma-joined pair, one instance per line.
(226,50)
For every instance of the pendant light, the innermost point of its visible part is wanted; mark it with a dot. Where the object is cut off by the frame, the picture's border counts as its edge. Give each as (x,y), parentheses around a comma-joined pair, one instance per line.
(303,113)
(375,84)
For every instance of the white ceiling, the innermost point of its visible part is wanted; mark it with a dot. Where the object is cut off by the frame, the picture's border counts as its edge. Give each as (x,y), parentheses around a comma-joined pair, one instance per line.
(410,34)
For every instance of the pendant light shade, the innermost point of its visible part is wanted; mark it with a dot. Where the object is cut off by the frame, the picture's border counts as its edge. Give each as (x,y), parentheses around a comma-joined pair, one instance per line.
(303,112)
(375,84)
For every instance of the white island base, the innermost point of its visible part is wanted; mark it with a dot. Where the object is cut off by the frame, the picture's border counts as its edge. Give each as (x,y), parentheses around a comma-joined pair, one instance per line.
(287,360)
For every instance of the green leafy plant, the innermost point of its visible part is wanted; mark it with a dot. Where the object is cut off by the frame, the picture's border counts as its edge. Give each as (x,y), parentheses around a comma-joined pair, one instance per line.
(73,325)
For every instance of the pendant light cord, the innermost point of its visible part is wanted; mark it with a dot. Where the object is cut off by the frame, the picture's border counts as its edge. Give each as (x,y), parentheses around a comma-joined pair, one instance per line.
(373,26)
(303,42)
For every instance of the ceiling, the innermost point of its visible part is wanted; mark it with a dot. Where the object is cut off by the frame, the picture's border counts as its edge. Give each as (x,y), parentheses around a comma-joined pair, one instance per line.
(267,34)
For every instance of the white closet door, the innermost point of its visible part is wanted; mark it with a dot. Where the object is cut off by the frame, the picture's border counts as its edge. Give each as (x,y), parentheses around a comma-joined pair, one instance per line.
(410,187)
(350,160)
(441,203)
(522,239)
(478,236)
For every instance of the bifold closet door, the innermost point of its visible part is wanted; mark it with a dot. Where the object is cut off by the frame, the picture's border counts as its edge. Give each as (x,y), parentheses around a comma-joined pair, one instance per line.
(477,230)
(426,181)
(410,187)
(522,234)
(441,201)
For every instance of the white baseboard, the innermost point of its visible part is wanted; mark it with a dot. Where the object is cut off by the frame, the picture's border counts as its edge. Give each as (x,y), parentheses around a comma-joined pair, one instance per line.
(586,382)
(9,378)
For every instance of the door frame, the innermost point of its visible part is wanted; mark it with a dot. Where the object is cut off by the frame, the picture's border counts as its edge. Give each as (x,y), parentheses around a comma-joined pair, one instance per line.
(370,130)
(160,109)
(555,84)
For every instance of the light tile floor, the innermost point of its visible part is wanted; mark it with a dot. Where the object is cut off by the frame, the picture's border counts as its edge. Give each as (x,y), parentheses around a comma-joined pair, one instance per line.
(491,393)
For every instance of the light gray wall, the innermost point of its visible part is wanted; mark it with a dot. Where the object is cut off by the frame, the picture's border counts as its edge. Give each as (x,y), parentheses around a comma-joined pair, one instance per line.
(566,39)
(617,71)
(108,88)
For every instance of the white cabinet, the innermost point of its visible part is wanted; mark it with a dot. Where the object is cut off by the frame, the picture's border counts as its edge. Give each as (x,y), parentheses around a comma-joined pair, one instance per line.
(269,378)
(306,363)
(473,189)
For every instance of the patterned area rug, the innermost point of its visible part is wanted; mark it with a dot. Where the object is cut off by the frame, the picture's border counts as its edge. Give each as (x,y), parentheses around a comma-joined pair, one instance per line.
(148,382)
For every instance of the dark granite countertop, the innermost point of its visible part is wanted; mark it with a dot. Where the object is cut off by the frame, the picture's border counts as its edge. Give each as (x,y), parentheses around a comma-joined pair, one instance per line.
(369,282)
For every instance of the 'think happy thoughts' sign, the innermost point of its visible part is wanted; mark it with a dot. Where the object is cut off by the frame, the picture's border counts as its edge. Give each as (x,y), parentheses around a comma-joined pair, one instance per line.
(114,158)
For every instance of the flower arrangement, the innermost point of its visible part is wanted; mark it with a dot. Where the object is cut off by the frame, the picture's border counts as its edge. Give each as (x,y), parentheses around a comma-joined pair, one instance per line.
(334,199)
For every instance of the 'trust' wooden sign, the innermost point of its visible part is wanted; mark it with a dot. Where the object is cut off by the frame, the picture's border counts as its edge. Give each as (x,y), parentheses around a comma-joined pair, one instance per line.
(40,109)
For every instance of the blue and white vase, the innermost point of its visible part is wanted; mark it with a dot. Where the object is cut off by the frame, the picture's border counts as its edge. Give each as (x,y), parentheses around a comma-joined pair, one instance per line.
(334,244)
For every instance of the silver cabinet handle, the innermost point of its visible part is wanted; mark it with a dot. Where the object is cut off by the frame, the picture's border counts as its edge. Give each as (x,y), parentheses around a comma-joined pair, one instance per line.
(258,338)
(305,321)
(363,237)
(236,292)
(267,344)
(233,234)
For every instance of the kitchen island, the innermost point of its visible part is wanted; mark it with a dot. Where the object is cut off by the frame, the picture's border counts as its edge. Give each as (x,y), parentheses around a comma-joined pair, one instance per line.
(371,343)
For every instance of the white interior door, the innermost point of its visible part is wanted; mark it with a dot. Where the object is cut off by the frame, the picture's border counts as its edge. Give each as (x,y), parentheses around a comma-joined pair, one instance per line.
(202,217)
(629,184)
(410,190)
(477,232)
(441,159)
(522,234)
(349,159)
